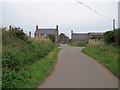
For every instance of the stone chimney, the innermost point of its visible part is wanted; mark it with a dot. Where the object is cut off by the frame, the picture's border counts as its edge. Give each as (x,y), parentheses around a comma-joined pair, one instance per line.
(36,27)
(57,27)
(29,33)
(71,31)
(71,34)
(10,27)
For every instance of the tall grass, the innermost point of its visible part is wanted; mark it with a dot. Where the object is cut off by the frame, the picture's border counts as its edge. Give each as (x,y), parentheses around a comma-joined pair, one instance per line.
(105,54)
(19,52)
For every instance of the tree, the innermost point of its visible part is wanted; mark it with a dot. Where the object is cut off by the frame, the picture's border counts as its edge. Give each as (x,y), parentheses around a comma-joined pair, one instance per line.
(109,37)
(112,37)
(52,37)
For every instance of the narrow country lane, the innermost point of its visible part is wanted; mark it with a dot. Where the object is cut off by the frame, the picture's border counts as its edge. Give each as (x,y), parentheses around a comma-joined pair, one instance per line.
(77,70)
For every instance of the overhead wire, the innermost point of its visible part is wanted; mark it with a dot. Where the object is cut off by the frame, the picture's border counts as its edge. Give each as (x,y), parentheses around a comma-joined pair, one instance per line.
(94,10)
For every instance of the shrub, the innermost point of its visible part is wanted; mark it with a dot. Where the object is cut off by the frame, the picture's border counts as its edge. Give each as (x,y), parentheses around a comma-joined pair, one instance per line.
(52,38)
(112,37)
(117,36)
(109,37)
(18,52)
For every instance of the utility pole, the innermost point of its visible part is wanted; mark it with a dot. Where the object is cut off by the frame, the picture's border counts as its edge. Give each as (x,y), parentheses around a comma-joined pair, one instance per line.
(113,24)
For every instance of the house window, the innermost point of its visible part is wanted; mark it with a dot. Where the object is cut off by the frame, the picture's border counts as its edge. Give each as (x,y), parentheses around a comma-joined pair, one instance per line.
(45,36)
(42,35)
(37,35)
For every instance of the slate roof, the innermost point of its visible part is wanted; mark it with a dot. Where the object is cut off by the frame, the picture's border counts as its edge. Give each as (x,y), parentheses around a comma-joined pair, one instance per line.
(95,33)
(80,36)
(46,31)
(63,34)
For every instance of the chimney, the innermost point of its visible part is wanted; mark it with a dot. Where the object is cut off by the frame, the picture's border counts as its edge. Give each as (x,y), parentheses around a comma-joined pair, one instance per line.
(57,27)
(71,31)
(71,34)
(29,33)
(36,27)
(22,30)
(10,27)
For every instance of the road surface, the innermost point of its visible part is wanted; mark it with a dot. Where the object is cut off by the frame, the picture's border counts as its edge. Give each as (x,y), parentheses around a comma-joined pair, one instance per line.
(77,70)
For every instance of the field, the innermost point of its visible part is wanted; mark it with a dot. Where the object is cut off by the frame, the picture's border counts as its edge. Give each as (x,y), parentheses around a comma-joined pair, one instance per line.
(105,54)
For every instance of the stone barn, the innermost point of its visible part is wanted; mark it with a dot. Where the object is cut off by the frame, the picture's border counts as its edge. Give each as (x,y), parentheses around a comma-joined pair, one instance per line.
(62,38)
(79,37)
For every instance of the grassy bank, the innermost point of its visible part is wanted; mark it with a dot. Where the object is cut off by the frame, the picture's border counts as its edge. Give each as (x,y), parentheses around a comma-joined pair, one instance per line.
(25,62)
(33,75)
(105,54)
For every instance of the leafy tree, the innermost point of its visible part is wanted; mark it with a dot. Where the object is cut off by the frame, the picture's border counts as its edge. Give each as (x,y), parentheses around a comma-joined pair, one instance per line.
(117,36)
(52,37)
(109,37)
(112,37)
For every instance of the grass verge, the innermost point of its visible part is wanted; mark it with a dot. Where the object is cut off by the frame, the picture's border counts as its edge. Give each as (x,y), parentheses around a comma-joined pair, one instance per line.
(33,75)
(105,54)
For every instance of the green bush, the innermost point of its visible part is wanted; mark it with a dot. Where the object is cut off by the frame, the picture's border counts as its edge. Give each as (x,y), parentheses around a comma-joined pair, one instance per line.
(52,38)
(109,37)
(117,36)
(112,37)
(18,52)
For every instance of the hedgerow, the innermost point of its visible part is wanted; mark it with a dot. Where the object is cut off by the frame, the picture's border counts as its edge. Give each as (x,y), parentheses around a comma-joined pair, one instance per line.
(112,37)
(18,51)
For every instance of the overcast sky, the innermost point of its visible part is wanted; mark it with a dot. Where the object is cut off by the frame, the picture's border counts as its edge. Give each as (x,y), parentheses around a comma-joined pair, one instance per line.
(67,14)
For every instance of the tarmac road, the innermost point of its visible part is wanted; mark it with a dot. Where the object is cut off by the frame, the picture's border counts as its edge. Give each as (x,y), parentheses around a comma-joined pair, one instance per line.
(77,70)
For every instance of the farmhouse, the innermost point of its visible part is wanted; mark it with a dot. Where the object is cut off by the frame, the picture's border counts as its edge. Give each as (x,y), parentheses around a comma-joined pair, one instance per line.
(45,33)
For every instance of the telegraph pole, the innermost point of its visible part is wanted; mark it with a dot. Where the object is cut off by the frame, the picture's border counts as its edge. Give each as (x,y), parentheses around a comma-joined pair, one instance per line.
(113,24)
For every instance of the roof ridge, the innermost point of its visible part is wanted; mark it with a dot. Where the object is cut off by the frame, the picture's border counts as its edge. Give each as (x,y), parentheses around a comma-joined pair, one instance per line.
(47,29)
(80,33)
